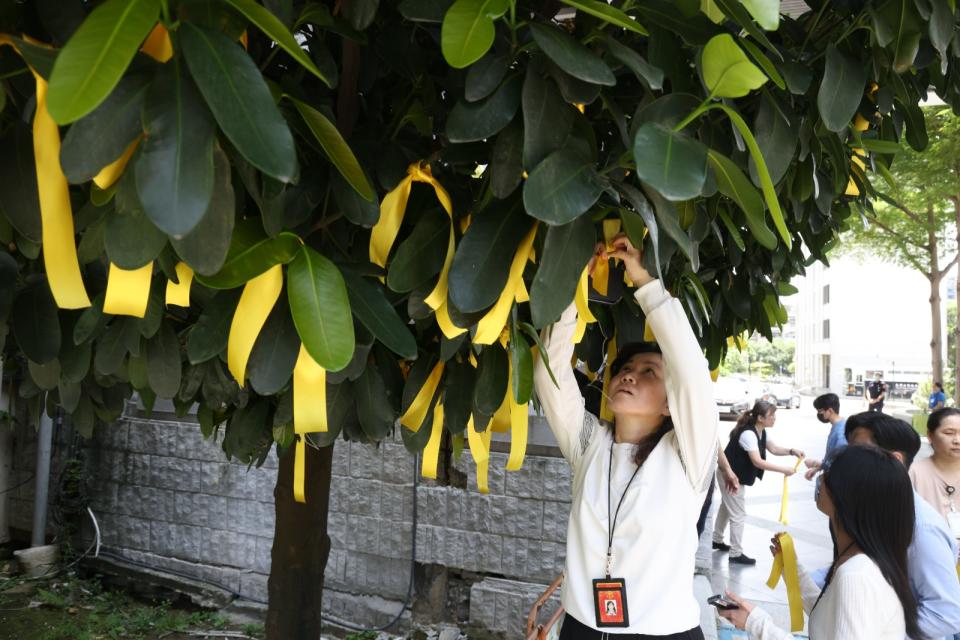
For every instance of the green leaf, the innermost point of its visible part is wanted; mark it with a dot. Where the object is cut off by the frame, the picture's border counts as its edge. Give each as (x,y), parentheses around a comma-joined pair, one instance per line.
(467,32)
(644,71)
(777,140)
(424,10)
(665,212)
(881,146)
(841,89)
(472,121)
(917,136)
(506,161)
(636,223)
(572,56)
(112,346)
(566,251)
(39,57)
(421,255)
(46,376)
(562,187)
(163,360)
(727,72)
(359,211)
(271,25)
(96,140)
(765,63)
(547,119)
(175,168)
(247,431)
(208,337)
(607,13)
(376,416)
(696,30)
(670,162)
(240,101)
(19,199)
(130,238)
(91,321)
(521,363)
(942,29)
(205,248)
(274,353)
(336,149)
(765,12)
(458,395)
(734,184)
(374,311)
(492,373)
(150,323)
(485,75)
(360,13)
(95,57)
(251,253)
(321,309)
(482,261)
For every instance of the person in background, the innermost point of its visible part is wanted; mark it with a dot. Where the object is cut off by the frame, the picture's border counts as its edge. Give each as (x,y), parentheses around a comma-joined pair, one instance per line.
(733,486)
(938,399)
(867,496)
(933,552)
(937,478)
(876,393)
(747,454)
(828,411)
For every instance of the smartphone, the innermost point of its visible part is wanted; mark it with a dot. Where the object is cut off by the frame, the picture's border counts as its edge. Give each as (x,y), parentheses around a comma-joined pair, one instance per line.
(722,603)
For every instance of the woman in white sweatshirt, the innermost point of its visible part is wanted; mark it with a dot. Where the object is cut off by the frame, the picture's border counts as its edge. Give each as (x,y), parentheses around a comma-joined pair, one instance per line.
(868,497)
(638,483)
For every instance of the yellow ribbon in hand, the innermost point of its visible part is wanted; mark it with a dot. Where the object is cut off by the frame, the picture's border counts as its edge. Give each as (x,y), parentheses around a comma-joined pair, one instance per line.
(416,413)
(309,412)
(785,499)
(178,293)
(392,209)
(257,300)
(605,413)
(491,325)
(581,300)
(601,272)
(480,451)
(785,566)
(128,291)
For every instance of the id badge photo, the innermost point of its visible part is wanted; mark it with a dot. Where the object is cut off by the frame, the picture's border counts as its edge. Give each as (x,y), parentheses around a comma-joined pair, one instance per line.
(610,602)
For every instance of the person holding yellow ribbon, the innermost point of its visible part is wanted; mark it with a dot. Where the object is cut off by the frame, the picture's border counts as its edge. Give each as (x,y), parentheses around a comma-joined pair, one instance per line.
(747,453)
(867,594)
(639,481)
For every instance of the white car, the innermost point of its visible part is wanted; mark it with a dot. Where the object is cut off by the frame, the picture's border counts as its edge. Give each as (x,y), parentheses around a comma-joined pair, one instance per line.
(781,394)
(733,397)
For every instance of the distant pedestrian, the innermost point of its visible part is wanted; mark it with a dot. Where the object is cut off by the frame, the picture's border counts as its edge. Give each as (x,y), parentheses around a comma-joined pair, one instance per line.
(938,399)
(866,596)
(747,454)
(932,554)
(876,393)
(828,412)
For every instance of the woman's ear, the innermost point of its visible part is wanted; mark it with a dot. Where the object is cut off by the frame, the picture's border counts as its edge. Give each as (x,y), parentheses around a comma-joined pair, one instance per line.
(666,409)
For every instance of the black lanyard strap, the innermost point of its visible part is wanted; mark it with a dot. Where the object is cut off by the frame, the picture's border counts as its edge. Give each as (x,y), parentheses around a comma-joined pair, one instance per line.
(612,523)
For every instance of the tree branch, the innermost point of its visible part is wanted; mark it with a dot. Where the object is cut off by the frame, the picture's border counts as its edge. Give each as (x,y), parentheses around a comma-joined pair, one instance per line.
(906,210)
(899,236)
(949,265)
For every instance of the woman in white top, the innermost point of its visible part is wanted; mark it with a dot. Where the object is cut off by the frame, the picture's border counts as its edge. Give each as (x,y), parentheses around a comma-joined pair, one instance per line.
(867,495)
(638,483)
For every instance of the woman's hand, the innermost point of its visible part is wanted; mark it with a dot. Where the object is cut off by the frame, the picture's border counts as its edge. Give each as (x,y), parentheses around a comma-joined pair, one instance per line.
(787,471)
(775,548)
(737,616)
(732,481)
(624,250)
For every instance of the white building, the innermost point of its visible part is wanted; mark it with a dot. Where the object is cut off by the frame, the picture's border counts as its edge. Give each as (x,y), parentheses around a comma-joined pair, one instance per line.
(861,316)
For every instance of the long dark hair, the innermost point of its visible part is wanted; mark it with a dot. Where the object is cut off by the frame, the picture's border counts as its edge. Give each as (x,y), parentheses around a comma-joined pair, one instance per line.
(646,446)
(873,499)
(749,419)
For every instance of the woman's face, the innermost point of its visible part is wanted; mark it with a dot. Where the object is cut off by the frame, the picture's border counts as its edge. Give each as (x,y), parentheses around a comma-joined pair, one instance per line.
(824,499)
(638,388)
(946,439)
(768,419)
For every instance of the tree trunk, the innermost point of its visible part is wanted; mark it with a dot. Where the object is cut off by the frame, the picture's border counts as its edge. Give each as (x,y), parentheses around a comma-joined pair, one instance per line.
(936,333)
(300,549)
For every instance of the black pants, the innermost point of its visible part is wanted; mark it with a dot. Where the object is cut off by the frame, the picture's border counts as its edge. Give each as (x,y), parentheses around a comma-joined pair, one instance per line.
(573,629)
(878,407)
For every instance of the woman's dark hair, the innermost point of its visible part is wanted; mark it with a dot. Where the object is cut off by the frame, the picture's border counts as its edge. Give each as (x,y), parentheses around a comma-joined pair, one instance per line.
(873,500)
(749,419)
(646,446)
(937,417)
(939,385)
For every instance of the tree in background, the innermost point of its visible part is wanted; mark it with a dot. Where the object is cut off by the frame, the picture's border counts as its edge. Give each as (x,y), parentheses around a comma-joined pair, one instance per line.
(311,220)
(762,357)
(914,221)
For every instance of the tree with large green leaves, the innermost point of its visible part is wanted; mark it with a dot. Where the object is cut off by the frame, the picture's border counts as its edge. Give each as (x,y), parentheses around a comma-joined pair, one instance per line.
(915,220)
(249,207)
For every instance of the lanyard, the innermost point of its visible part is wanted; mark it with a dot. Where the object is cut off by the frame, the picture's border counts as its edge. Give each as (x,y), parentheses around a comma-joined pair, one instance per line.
(612,523)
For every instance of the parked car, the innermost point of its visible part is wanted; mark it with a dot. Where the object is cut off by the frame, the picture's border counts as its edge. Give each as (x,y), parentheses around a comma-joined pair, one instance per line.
(781,394)
(733,397)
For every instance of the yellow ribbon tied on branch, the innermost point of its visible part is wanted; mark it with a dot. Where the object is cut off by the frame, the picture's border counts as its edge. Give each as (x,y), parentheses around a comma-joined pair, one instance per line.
(491,326)
(581,300)
(178,293)
(128,290)
(479,443)
(309,413)
(392,209)
(56,214)
(415,415)
(256,302)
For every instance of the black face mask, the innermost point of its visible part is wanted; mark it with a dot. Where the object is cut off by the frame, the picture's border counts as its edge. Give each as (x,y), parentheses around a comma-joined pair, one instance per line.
(822,418)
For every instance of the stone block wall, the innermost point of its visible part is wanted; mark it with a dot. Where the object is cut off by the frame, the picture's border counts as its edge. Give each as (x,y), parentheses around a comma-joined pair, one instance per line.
(166,497)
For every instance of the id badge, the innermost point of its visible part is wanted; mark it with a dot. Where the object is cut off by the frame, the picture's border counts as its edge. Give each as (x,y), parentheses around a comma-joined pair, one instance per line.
(953,519)
(610,602)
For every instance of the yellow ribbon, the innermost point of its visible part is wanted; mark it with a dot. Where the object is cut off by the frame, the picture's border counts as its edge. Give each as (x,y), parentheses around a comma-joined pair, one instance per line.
(431,453)
(257,300)
(601,272)
(860,124)
(178,293)
(785,566)
(605,413)
(309,412)
(158,45)
(581,300)
(450,330)
(480,451)
(56,215)
(785,499)
(491,325)
(416,413)
(519,423)
(392,209)
(648,332)
(128,291)
(112,172)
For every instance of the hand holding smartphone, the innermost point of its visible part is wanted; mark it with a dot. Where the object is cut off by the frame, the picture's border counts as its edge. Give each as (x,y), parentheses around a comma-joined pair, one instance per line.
(722,603)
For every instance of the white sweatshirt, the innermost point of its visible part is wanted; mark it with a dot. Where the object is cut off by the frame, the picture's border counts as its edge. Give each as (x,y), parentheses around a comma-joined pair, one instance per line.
(655,540)
(858,604)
